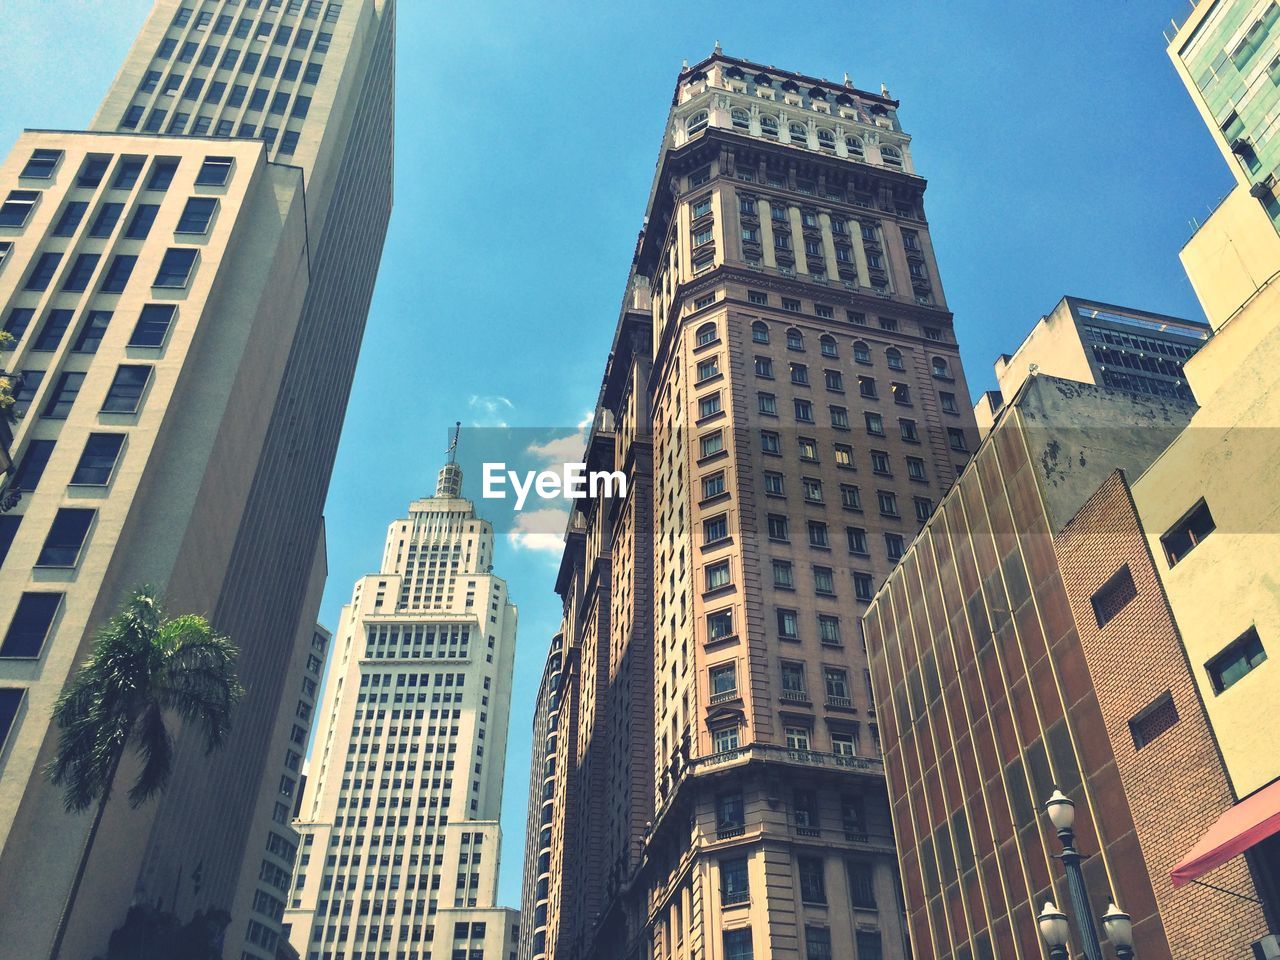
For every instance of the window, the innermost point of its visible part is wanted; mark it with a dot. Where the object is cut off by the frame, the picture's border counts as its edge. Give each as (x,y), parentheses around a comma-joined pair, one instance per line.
(63,396)
(140,225)
(824,581)
(924,508)
(793,686)
(31,467)
(105,222)
(862,884)
(31,380)
(867,387)
(1238,659)
(711,444)
(767,404)
(176,267)
(17,322)
(708,368)
(805,805)
(30,625)
(162,172)
(915,468)
(829,629)
(804,410)
(788,625)
(773,484)
(1153,720)
(797,738)
(764,367)
(66,537)
(857,540)
(875,424)
(817,533)
(844,455)
(197,215)
(42,273)
(125,393)
(724,739)
(720,624)
(894,358)
(799,374)
(759,298)
(812,487)
(782,574)
(708,406)
(724,680)
(837,685)
(834,380)
(92,331)
(839,418)
(77,278)
(153,325)
(17,207)
(42,164)
(894,546)
(1185,535)
(795,339)
(70,218)
(770,443)
(55,326)
(718,575)
(810,869)
(777,527)
(888,502)
(869,946)
(901,394)
(312,73)
(955,436)
(117,276)
(713,485)
(1113,596)
(948,402)
(98,461)
(733,887)
(808,449)
(729,812)
(862,587)
(941,368)
(850,499)
(715,529)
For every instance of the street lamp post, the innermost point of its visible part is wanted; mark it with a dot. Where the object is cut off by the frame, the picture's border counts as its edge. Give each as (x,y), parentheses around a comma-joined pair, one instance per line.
(1062,813)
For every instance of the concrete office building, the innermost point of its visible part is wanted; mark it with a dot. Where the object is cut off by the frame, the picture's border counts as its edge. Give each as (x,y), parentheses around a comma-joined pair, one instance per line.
(187,281)
(399,833)
(785,360)
(1101,343)
(1025,643)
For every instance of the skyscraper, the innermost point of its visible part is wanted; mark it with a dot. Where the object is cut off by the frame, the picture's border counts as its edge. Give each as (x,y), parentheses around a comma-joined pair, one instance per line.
(785,359)
(187,282)
(399,832)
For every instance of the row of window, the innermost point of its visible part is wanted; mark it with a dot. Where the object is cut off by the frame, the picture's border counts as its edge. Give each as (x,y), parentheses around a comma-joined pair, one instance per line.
(44,163)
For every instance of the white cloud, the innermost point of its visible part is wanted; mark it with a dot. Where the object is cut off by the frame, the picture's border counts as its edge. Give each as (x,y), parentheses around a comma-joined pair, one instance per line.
(566,449)
(540,530)
(489,411)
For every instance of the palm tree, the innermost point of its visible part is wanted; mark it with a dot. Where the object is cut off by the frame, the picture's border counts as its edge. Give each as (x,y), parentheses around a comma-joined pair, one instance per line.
(142,667)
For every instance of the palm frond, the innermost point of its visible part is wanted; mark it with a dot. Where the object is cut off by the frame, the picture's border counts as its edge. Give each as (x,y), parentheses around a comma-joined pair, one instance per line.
(154,745)
(197,678)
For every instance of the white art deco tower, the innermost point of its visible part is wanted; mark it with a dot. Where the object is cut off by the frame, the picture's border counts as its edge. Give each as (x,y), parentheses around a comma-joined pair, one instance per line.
(399,827)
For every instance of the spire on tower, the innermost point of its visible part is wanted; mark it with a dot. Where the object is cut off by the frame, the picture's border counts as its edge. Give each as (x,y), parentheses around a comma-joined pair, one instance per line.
(449,482)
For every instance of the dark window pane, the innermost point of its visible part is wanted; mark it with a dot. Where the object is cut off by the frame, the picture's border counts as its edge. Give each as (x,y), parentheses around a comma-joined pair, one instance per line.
(46,266)
(98,460)
(10,702)
(55,327)
(81,271)
(197,215)
(71,216)
(95,166)
(66,537)
(64,395)
(175,269)
(8,530)
(162,174)
(118,273)
(31,467)
(127,173)
(18,320)
(143,218)
(106,219)
(153,325)
(30,624)
(92,331)
(126,390)
(31,380)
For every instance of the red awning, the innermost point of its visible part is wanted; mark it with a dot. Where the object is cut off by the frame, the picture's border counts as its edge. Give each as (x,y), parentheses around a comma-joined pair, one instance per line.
(1249,822)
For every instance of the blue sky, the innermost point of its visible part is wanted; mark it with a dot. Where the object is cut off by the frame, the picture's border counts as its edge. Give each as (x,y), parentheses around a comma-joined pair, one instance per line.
(1063,156)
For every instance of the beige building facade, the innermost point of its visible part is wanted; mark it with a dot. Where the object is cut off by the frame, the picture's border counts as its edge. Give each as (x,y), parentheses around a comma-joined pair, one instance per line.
(801,394)
(187,300)
(399,838)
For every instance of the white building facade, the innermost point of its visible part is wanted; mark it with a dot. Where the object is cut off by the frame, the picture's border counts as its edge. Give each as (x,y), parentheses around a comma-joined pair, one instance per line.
(399,829)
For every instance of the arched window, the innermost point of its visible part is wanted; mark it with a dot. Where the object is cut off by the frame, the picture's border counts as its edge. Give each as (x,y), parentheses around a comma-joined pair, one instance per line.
(892,156)
(828,344)
(894,356)
(760,332)
(861,352)
(941,368)
(854,146)
(797,133)
(706,334)
(826,139)
(795,339)
(741,119)
(696,122)
(769,126)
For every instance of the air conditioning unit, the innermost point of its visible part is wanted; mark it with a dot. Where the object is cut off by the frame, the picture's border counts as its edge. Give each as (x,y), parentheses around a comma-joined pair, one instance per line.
(1241,146)
(1263,187)
(1268,948)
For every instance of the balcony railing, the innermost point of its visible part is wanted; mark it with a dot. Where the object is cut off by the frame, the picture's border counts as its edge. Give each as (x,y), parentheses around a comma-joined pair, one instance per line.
(844,703)
(794,696)
(724,696)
